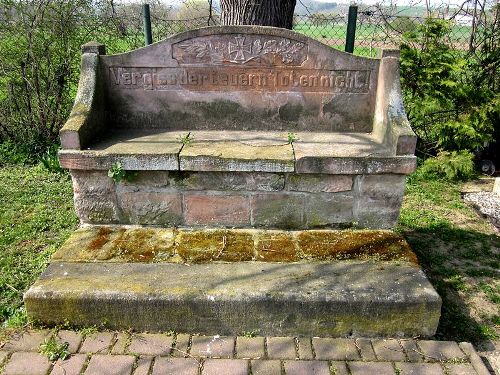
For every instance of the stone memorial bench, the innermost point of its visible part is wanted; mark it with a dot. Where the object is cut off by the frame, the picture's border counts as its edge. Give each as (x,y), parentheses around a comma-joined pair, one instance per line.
(239,126)
(241,149)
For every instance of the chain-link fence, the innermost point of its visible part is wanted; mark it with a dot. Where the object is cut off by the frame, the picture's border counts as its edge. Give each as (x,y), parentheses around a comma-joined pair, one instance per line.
(376,27)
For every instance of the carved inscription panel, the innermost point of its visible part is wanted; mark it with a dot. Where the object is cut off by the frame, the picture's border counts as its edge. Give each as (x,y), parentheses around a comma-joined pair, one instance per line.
(206,79)
(236,80)
(241,62)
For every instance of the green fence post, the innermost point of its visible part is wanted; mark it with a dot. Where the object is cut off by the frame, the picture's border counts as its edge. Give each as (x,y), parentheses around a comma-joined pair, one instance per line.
(351,28)
(148,37)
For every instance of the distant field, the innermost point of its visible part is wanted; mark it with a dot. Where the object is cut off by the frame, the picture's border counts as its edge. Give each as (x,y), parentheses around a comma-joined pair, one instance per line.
(370,38)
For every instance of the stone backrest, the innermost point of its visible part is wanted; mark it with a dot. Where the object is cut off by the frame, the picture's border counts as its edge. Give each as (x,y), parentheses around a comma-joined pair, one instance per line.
(248,79)
(238,78)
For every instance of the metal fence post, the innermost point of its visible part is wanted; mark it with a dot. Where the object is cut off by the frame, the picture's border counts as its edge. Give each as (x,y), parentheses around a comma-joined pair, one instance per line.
(148,37)
(351,28)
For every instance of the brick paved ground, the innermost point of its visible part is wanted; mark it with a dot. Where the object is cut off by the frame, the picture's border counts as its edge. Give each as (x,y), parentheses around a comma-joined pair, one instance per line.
(120,353)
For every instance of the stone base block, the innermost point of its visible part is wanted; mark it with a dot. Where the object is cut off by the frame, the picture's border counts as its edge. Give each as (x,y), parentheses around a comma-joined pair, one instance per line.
(359,298)
(240,199)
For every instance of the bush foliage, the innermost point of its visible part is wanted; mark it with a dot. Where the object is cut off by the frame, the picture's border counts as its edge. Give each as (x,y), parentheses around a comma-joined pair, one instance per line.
(451,97)
(40,64)
(454,165)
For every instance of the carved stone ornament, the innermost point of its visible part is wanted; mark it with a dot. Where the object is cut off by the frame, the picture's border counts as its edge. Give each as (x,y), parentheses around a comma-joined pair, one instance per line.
(240,49)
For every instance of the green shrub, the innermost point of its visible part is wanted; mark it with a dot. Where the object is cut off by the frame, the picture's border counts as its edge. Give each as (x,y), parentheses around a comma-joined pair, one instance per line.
(13,153)
(455,165)
(451,96)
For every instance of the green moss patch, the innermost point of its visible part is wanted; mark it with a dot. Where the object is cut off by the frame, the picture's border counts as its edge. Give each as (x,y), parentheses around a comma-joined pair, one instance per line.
(215,245)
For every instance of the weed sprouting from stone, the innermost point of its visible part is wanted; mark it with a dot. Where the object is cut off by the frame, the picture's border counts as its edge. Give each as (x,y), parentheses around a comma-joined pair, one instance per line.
(88,331)
(250,333)
(117,173)
(54,350)
(185,139)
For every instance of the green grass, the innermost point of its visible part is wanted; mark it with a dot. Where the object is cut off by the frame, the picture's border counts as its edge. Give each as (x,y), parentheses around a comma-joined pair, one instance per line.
(455,246)
(456,249)
(36,216)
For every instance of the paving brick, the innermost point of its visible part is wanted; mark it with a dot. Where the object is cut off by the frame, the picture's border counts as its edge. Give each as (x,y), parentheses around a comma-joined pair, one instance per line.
(250,347)
(110,365)
(412,351)
(70,366)
(121,341)
(175,366)
(339,368)
(74,339)
(99,342)
(364,368)
(335,349)
(281,348)
(143,365)
(151,344)
(266,367)
(26,342)
(181,345)
(212,346)
(217,209)
(459,369)
(388,350)
(474,358)
(305,348)
(419,368)
(225,367)
(27,363)
(440,350)
(366,349)
(307,367)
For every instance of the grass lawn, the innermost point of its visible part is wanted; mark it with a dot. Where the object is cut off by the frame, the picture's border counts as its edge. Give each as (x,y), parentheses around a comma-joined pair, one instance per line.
(458,249)
(36,216)
(460,253)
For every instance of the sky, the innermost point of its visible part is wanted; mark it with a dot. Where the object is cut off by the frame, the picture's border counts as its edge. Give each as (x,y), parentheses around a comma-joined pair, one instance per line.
(433,3)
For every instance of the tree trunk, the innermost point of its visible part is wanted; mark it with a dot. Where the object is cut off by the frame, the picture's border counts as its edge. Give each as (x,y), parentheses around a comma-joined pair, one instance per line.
(278,13)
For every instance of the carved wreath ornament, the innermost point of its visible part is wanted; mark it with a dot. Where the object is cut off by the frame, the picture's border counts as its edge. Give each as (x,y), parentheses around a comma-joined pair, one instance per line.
(239,51)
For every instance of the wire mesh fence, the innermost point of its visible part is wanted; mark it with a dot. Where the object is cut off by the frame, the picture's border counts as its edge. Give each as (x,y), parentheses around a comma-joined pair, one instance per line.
(376,28)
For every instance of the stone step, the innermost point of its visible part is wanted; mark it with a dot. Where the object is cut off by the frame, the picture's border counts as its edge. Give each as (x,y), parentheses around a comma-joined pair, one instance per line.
(134,244)
(360,298)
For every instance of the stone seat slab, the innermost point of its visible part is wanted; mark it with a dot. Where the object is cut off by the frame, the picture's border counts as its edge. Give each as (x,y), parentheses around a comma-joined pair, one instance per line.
(291,299)
(242,151)
(237,151)
(347,153)
(135,150)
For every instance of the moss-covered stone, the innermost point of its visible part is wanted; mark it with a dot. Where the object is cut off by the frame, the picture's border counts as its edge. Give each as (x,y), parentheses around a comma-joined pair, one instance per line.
(305,298)
(276,246)
(141,244)
(215,245)
(354,244)
(117,245)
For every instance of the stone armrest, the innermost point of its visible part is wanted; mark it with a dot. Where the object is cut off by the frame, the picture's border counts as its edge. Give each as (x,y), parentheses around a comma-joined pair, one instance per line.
(391,125)
(87,117)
